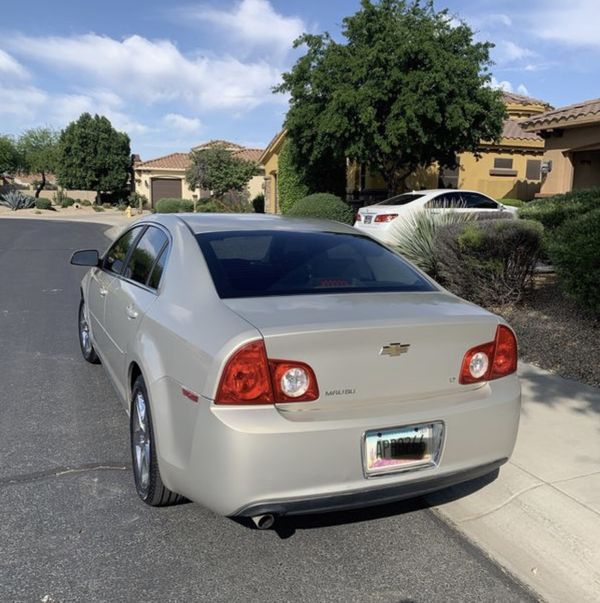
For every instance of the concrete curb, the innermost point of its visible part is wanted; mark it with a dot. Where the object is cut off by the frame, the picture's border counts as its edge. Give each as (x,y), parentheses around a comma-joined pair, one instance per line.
(540,519)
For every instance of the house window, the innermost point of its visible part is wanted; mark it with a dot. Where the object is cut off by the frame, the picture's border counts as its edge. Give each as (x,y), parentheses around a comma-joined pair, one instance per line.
(534,169)
(503,163)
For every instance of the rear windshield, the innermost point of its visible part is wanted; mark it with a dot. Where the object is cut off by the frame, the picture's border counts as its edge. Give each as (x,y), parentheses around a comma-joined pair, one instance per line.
(265,263)
(400,199)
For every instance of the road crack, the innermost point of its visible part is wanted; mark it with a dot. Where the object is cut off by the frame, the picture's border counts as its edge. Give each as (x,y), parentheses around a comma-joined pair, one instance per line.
(55,472)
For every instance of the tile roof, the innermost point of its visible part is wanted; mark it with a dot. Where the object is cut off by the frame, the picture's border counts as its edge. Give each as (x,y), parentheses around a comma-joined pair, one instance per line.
(221,143)
(248,154)
(513,130)
(174,161)
(585,111)
(519,99)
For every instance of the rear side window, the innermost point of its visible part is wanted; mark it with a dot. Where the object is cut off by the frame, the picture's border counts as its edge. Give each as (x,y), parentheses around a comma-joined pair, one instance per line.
(144,255)
(400,199)
(114,259)
(266,263)
(158,269)
(448,201)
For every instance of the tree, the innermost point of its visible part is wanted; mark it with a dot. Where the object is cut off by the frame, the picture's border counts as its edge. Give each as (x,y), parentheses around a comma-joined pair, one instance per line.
(217,170)
(92,155)
(408,88)
(37,149)
(290,185)
(9,156)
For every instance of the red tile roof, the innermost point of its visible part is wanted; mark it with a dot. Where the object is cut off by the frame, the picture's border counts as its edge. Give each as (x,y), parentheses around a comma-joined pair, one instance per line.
(512,130)
(586,111)
(519,99)
(248,154)
(174,161)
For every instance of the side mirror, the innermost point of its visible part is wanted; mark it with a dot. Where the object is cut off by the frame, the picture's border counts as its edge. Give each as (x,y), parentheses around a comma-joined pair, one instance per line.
(85,257)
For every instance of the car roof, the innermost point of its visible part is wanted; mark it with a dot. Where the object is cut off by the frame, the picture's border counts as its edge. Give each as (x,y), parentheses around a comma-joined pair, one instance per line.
(435,191)
(209,222)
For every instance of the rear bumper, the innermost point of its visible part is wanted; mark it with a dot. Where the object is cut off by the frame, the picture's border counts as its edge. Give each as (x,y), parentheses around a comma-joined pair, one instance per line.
(366,497)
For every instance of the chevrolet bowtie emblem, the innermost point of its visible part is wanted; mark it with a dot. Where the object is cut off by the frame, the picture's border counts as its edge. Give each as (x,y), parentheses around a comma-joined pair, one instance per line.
(394,349)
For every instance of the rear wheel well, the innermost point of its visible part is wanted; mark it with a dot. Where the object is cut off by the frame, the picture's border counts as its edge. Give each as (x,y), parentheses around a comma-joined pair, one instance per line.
(134,373)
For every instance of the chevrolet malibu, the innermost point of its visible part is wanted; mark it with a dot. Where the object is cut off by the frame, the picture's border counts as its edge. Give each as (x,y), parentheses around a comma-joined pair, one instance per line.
(275,366)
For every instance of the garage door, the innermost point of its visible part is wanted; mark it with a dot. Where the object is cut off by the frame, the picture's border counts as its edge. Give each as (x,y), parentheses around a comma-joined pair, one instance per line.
(165,187)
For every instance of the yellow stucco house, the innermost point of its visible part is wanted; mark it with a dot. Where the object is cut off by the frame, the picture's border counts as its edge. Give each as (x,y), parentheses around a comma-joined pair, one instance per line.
(572,136)
(165,176)
(508,169)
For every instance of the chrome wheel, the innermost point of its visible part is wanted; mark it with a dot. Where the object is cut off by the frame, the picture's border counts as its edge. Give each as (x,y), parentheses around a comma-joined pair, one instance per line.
(84,332)
(141,440)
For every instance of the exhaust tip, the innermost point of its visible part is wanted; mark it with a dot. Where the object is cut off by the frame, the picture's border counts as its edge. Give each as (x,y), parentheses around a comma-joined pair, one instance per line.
(264,522)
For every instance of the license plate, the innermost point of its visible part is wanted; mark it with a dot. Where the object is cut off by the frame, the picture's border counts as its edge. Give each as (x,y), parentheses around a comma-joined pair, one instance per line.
(402,448)
(368,219)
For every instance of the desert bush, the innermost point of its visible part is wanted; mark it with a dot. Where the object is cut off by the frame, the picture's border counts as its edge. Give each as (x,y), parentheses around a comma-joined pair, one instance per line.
(207,206)
(137,201)
(17,200)
(258,203)
(512,202)
(85,202)
(43,203)
(413,236)
(67,201)
(574,250)
(488,262)
(97,208)
(174,206)
(323,205)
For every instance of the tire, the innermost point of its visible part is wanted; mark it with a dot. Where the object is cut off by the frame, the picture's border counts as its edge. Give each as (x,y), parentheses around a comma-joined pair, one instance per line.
(146,473)
(85,339)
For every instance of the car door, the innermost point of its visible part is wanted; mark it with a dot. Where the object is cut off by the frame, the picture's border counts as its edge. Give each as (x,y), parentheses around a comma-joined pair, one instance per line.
(131,294)
(100,285)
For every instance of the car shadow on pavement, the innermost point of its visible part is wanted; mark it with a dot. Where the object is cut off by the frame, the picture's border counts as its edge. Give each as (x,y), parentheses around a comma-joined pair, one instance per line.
(286,527)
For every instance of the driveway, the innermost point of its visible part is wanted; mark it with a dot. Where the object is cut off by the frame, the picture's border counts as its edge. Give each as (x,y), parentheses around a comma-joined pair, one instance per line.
(72,528)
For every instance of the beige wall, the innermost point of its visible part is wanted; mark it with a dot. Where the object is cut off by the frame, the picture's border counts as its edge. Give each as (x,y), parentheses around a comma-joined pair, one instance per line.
(256,186)
(559,150)
(271,167)
(143,181)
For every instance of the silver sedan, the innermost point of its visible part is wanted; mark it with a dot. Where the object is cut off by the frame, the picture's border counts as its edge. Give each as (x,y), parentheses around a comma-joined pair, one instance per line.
(273,366)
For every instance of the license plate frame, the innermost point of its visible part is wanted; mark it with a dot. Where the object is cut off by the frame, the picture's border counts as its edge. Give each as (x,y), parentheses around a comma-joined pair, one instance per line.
(420,448)
(368,219)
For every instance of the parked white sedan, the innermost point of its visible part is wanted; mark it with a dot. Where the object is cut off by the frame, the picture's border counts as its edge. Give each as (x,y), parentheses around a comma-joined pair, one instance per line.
(273,366)
(377,219)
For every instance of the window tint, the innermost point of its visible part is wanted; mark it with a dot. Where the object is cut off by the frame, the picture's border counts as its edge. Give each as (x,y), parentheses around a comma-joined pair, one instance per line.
(115,256)
(158,269)
(476,201)
(144,255)
(400,199)
(264,263)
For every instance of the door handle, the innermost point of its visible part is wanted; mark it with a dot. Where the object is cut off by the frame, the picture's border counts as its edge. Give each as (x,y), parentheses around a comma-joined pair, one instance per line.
(103,291)
(131,311)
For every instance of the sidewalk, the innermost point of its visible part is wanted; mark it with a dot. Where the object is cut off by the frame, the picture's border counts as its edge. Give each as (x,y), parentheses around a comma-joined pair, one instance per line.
(540,519)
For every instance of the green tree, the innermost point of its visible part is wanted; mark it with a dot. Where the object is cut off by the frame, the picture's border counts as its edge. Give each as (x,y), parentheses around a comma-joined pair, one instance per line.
(92,155)
(9,156)
(290,184)
(409,87)
(37,149)
(217,170)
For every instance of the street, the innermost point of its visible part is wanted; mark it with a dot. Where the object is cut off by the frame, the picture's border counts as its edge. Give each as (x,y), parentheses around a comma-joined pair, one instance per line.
(73,529)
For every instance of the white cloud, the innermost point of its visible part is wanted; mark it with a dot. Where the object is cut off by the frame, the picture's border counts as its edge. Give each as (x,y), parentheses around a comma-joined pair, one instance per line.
(11,67)
(522,89)
(155,71)
(491,20)
(508,52)
(574,23)
(253,21)
(502,85)
(21,103)
(182,123)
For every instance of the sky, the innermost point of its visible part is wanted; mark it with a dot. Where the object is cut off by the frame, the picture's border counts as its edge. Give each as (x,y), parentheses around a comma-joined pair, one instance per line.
(174,74)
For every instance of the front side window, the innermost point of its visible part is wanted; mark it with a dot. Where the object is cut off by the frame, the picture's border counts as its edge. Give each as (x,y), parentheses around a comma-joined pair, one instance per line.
(266,263)
(114,259)
(144,255)
(477,201)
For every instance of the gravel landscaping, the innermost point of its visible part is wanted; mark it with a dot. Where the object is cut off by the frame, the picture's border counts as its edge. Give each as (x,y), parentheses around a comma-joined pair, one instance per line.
(554,333)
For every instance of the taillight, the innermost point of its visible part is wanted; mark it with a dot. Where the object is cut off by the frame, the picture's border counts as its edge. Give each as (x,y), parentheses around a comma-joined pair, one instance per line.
(385,217)
(250,378)
(358,217)
(491,360)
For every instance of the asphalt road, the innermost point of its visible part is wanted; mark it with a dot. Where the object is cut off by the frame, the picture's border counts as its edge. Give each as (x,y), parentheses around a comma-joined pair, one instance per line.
(73,529)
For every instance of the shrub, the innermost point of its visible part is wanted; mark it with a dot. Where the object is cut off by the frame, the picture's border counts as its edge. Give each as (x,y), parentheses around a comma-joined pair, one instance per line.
(174,206)
(43,204)
(97,208)
(17,200)
(575,252)
(323,205)
(107,205)
(85,202)
(488,262)
(136,200)
(66,202)
(258,203)
(512,202)
(414,236)
(207,206)
(290,188)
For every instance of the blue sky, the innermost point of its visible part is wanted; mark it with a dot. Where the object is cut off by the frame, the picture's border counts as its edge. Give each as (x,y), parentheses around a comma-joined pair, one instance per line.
(175,74)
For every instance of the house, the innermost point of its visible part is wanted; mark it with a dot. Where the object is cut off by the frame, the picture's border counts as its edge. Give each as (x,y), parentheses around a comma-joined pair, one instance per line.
(165,176)
(572,137)
(510,168)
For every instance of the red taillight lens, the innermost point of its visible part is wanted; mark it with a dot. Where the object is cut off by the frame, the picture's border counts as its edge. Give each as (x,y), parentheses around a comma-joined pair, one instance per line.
(491,360)
(246,379)
(385,217)
(250,378)
(358,218)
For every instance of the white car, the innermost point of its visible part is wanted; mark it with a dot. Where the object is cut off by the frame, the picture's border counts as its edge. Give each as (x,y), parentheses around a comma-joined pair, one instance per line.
(376,219)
